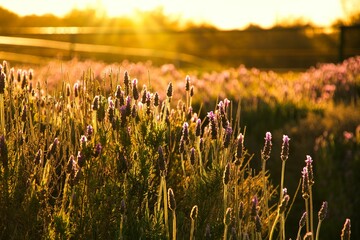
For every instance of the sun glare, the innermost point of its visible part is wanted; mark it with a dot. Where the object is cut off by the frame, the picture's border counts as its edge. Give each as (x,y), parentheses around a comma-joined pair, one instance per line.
(225,14)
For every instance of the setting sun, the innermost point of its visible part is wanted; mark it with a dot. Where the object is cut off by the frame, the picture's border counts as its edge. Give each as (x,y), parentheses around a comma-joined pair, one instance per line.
(225,14)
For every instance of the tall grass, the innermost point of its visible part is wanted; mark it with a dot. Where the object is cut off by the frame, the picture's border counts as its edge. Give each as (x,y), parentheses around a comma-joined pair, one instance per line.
(99,161)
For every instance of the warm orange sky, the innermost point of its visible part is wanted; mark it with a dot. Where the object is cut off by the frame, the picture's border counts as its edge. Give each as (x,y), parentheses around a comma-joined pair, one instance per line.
(224,14)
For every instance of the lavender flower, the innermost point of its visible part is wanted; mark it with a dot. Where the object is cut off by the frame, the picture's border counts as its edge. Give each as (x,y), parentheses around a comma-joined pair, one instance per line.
(267,147)
(2,82)
(156,99)
(192,156)
(80,159)
(323,211)
(285,148)
(198,128)
(111,110)
(135,91)
(227,137)
(97,150)
(95,104)
(89,131)
(239,147)
(213,125)
(169,91)
(83,141)
(76,90)
(305,183)
(68,90)
(309,167)
(241,210)
(181,145)
(161,160)
(3,151)
(185,132)
(254,203)
(126,82)
(192,91)
(187,85)
(118,92)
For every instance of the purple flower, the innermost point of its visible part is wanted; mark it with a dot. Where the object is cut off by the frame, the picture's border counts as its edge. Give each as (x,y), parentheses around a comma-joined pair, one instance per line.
(89,131)
(213,125)
(227,137)
(185,132)
(98,150)
(198,127)
(239,146)
(305,183)
(267,147)
(285,148)
(135,89)
(187,85)
(192,156)
(309,167)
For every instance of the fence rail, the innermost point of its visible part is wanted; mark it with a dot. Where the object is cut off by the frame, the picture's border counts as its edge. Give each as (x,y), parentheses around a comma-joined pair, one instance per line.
(19,44)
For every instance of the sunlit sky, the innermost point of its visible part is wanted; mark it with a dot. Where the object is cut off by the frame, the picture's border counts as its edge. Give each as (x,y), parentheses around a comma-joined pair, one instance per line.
(224,14)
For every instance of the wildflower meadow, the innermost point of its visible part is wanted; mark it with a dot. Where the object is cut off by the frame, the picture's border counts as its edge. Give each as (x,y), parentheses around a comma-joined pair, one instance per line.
(134,151)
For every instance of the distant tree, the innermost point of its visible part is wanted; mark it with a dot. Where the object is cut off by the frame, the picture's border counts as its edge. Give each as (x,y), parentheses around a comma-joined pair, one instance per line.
(8,18)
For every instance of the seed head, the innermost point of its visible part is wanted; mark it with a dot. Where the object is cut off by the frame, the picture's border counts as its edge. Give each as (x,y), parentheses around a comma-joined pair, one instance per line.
(226,175)
(284,204)
(194,212)
(323,211)
(308,236)
(346,231)
(192,91)
(302,221)
(227,217)
(171,200)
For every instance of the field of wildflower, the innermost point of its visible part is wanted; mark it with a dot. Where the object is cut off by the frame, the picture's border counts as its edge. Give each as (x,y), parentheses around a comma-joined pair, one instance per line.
(134,151)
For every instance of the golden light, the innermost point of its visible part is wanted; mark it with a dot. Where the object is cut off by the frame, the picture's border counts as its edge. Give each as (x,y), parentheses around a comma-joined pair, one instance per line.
(224,14)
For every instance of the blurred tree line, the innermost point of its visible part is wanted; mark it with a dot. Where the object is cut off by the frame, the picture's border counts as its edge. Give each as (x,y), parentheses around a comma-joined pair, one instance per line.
(292,43)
